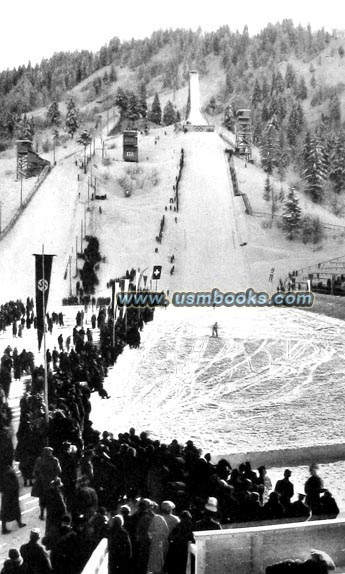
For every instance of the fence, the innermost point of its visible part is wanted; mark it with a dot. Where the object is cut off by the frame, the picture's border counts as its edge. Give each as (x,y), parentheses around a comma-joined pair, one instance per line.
(20,210)
(235,186)
(251,550)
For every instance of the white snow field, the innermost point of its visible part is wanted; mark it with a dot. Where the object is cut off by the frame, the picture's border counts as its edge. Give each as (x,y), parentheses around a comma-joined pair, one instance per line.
(273,378)
(195,116)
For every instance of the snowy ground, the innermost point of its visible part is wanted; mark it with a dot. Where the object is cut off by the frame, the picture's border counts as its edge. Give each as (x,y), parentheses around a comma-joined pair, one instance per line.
(273,378)
(258,386)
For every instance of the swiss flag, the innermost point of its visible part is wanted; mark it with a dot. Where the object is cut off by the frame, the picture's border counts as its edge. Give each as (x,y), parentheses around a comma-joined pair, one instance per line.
(156,273)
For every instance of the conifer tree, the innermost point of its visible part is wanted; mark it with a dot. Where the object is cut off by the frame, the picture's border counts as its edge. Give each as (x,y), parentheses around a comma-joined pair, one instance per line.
(302,92)
(315,167)
(169,114)
(156,110)
(337,163)
(229,118)
(132,107)
(121,100)
(72,120)
(269,146)
(290,77)
(257,96)
(84,139)
(142,103)
(292,213)
(53,114)
(267,189)
(334,111)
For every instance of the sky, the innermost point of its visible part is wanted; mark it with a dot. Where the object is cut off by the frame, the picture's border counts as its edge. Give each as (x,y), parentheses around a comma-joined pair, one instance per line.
(35,29)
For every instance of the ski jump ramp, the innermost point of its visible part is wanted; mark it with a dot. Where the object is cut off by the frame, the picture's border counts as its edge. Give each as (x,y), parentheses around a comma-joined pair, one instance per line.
(195,120)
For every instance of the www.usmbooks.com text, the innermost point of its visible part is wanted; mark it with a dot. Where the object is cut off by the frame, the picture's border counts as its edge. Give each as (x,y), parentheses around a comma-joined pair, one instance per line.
(216,298)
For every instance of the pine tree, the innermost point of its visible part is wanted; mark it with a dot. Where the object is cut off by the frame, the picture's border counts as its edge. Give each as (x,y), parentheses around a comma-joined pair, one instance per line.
(315,167)
(121,100)
(302,92)
(169,114)
(277,86)
(53,114)
(292,213)
(265,90)
(267,189)
(25,129)
(84,139)
(257,96)
(290,77)
(156,110)
(337,163)
(229,120)
(133,107)
(269,146)
(295,123)
(334,111)
(112,74)
(282,156)
(142,103)
(72,121)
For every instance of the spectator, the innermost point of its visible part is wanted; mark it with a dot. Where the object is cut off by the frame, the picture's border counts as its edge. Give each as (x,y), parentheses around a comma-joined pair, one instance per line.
(298,509)
(14,564)
(285,489)
(34,556)
(167,508)
(209,521)
(176,560)
(47,468)
(313,488)
(119,548)
(10,508)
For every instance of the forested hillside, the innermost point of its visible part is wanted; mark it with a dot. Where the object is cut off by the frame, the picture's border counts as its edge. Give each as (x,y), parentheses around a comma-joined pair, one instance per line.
(289,76)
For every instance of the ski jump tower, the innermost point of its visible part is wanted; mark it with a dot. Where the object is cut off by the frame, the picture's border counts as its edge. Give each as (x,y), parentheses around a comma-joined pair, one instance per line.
(194,118)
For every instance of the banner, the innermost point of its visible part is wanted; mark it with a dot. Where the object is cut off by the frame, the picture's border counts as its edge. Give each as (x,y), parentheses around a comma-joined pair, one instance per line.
(43,267)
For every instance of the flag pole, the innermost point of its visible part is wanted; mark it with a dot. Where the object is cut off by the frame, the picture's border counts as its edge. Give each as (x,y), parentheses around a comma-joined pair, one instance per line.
(44,344)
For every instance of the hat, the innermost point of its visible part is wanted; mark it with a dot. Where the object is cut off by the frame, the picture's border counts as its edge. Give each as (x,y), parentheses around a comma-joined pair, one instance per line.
(212,504)
(167,505)
(15,556)
(321,556)
(144,503)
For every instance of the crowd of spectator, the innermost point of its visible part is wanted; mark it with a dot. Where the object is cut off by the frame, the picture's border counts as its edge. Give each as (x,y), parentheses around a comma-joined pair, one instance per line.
(155,494)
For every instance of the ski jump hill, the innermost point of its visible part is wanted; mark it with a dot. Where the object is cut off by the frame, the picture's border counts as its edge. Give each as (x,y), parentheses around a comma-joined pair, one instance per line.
(195,120)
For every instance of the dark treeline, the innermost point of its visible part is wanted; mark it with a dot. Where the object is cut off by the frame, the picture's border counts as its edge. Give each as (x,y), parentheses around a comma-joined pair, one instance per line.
(28,87)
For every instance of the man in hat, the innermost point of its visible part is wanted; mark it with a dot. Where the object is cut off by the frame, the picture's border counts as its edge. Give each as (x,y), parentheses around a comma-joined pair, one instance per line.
(285,489)
(34,556)
(14,563)
(167,508)
(56,509)
(47,468)
(209,521)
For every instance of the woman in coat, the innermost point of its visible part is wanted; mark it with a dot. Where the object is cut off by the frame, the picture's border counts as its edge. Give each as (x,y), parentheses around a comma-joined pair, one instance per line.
(10,509)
